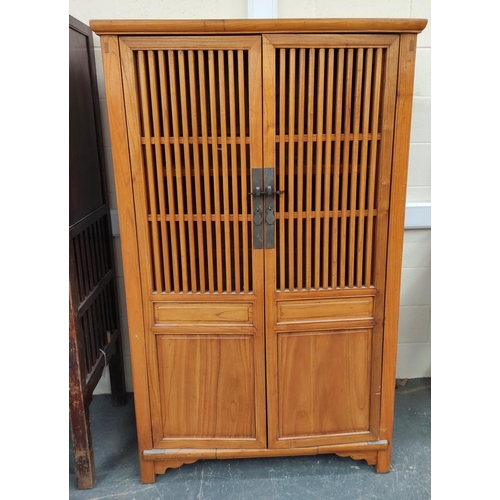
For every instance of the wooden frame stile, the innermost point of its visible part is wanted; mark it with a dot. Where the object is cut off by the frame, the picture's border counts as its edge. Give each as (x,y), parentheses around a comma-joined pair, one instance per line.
(380,243)
(268,158)
(128,236)
(401,151)
(139,203)
(256,154)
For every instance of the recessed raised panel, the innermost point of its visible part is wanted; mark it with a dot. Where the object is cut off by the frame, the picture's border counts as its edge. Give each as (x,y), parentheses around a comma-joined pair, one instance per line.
(207,386)
(323,383)
(335,309)
(203,313)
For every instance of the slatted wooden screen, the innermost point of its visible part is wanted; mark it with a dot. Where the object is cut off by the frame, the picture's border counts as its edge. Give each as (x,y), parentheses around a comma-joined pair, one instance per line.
(93,289)
(195,137)
(328,131)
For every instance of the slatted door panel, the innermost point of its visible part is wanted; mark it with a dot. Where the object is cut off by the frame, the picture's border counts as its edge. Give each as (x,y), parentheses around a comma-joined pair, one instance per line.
(329,112)
(194,122)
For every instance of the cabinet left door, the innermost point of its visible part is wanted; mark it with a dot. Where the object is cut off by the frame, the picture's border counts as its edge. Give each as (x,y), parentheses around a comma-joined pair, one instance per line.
(193,107)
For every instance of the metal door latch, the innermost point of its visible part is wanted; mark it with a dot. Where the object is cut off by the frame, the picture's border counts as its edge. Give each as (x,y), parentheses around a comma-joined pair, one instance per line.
(257,216)
(270,216)
(263,201)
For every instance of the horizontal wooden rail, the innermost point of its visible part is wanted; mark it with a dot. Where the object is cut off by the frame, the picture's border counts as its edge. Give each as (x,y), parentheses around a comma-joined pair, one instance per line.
(222,453)
(213,218)
(195,140)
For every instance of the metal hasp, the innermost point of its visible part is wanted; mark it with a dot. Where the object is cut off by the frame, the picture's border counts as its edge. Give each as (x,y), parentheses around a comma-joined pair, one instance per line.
(263,207)
(269,206)
(258,205)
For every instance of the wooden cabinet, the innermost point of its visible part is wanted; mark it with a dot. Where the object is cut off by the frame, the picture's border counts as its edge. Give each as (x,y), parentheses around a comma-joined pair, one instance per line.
(94,327)
(260,170)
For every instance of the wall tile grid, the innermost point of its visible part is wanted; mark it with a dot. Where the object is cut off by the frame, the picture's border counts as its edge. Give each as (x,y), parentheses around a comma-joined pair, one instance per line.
(414,348)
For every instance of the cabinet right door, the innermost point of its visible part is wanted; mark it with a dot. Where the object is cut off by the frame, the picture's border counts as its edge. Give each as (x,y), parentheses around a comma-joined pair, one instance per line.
(329,104)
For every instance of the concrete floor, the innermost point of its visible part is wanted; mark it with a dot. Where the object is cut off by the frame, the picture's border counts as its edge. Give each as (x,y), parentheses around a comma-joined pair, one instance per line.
(321,477)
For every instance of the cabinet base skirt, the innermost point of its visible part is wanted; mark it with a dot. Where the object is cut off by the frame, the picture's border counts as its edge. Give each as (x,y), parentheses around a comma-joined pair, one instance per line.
(173,458)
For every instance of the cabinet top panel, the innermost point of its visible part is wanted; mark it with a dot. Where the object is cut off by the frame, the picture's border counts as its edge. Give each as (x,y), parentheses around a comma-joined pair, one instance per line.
(232,26)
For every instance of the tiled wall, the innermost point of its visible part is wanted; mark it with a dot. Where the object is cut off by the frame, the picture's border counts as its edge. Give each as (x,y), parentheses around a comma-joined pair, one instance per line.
(414,352)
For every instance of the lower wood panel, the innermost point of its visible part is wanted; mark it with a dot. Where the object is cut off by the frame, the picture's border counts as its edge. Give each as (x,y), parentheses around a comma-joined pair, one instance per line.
(324,310)
(207,386)
(203,313)
(323,383)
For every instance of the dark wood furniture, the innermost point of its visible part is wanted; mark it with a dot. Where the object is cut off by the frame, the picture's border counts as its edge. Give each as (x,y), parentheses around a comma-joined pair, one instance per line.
(94,331)
(261,169)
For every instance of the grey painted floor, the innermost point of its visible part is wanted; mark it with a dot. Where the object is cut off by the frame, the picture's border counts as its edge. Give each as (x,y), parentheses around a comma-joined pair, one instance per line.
(322,477)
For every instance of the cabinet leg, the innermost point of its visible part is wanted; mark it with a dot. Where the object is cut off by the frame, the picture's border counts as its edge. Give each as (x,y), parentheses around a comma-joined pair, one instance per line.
(147,472)
(117,376)
(383,461)
(82,446)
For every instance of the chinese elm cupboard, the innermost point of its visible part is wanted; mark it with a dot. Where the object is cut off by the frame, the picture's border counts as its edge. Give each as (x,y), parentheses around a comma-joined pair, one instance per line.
(260,170)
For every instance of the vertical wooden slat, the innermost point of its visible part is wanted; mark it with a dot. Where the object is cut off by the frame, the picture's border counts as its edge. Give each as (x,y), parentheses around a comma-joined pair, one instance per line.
(92,262)
(106,309)
(225,169)
(187,171)
(174,95)
(159,171)
(234,173)
(86,267)
(86,262)
(193,90)
(309,166)
(215,157)
(78,266)
(86,342)
(73,258)
(118,64)
(169,169)
(92,335)
(363,165)
(336,167)
(354,166)
(206,169)
(291,171)
(102,237)
(143,91)
(243,166)
(373,165)
(345,167)
(90,258)
(319,164)
(281,168)
(96,250)
(300,164)
(101,323)
(328,166)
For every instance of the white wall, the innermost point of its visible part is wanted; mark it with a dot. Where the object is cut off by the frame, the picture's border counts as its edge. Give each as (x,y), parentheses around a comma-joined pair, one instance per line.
(414,350)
